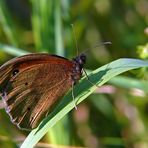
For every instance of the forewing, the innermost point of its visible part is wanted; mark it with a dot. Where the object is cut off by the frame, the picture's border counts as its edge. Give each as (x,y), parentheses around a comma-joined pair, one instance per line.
(31,88)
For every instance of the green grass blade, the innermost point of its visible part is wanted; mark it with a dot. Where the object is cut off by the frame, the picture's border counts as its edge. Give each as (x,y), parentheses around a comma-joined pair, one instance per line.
(58,28)
(81,92)
(12,50)
(8,24)
(64,136)
(43,25)
(122,81)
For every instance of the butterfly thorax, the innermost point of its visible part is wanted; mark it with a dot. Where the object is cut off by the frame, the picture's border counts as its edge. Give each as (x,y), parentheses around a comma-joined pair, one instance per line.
(79,62)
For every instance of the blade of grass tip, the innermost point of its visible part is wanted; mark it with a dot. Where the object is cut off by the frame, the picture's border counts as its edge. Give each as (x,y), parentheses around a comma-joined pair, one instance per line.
(12,50)
(58,28)
(82,91)
(8,24)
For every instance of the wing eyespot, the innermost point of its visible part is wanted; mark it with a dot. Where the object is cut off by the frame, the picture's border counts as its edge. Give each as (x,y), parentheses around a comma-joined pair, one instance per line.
(26,83)
(15,71)
(28,108)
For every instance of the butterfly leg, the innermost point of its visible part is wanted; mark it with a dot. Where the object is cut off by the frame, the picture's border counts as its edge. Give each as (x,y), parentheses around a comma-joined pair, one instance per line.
(73,96)
(89,79)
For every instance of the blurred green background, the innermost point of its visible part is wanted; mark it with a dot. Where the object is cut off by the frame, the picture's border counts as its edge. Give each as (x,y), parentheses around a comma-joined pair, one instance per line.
(116,115)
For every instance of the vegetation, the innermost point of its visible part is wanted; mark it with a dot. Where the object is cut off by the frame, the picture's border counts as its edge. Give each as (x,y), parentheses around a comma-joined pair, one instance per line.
(114,115)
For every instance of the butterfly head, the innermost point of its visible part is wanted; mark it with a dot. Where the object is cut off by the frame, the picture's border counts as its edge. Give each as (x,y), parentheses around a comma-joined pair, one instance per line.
(80,60)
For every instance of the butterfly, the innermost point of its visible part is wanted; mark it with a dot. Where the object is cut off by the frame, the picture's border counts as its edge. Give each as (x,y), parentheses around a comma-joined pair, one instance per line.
(31,85)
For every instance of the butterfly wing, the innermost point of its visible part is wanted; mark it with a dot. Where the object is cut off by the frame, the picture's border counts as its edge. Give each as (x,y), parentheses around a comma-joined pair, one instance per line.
(31,85)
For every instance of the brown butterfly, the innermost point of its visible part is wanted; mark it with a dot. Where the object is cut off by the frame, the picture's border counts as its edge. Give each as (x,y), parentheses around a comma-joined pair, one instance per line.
(31,85)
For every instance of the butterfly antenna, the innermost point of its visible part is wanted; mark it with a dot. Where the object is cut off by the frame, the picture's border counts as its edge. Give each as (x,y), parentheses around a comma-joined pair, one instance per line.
(97,45)
(76,42)
(73,96)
